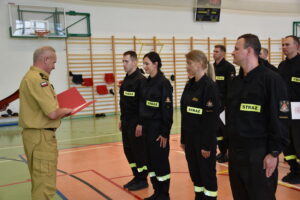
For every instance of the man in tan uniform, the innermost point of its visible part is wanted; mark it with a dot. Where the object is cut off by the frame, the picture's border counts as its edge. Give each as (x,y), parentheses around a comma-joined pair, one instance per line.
(40,117)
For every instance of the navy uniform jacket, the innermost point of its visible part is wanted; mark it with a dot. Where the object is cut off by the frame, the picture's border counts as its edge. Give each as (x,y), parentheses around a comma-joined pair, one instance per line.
(129,95)
(199,111)
(289,70)
(225,72)
(156,102)
(258,110)
(268,65)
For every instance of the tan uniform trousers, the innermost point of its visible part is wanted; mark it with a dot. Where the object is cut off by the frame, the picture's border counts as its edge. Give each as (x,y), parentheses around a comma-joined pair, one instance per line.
(41,151)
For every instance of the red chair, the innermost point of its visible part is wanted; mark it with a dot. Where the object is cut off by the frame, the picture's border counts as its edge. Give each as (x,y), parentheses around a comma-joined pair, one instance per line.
(109,78)
(87,82)
(102,89)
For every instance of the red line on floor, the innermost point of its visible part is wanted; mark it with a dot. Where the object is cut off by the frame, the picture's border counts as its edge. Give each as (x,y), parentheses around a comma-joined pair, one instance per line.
(120,187)
(16,183)
(29,180)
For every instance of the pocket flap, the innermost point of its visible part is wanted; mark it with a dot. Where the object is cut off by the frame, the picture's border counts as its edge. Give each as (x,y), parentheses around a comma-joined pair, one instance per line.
(44,155)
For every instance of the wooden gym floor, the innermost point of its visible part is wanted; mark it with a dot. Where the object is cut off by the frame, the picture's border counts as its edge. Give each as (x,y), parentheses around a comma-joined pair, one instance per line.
(92,165)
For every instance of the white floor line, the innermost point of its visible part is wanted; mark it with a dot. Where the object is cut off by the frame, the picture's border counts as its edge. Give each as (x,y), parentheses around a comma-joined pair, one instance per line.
(180,152)
(66,140)
(99,136)
(13,147)
(65,152)
(71,151)
(222,164)
(288,185)
(4,161)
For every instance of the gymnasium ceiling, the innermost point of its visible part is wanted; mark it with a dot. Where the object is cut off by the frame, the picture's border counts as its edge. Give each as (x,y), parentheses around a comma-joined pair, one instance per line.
(274,6)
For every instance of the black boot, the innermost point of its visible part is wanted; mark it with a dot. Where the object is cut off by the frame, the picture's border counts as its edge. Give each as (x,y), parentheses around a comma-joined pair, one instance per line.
(294,176)
(139,184)
(153,196)
(223,158)
(199,196)
(155,185)
(130,183)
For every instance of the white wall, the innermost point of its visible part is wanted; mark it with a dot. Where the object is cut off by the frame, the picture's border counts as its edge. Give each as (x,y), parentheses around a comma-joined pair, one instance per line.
(16,54)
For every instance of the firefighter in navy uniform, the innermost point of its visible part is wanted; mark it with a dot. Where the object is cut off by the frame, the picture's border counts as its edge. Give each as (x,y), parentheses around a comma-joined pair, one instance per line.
(258,110)
(156,112)
(289,70)
(199,115)
(225,72)
(133,142)
(263,58)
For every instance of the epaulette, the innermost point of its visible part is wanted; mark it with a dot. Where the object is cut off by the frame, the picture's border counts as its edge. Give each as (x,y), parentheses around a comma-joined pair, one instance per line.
(43,76)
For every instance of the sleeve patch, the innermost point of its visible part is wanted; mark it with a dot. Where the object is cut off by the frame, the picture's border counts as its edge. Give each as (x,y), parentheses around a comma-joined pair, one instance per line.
(168,100)
(44,84)
(209,104)
(232,74)
(284,106)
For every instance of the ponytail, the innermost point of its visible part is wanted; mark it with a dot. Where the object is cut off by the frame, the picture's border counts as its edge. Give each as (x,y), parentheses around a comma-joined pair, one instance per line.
(197,55)
(210,72)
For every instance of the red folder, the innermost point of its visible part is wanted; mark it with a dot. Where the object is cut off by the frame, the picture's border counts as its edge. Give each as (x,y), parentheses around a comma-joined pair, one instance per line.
(71,98)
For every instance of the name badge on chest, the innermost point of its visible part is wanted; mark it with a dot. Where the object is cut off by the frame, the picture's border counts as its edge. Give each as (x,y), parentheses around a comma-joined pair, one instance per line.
(194,110)
(154,104)
(129,94)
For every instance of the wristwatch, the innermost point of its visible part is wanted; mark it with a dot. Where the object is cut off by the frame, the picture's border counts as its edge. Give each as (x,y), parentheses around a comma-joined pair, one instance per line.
(275,154)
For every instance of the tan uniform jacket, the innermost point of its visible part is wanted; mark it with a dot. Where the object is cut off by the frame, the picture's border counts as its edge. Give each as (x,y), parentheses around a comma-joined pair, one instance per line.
(37,100)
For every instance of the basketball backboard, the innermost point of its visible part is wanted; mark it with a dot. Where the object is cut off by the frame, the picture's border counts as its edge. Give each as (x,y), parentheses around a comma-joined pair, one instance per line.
(29,21)
(296,29)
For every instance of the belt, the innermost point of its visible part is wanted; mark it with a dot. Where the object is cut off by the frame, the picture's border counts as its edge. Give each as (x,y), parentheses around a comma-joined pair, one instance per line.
(50,129)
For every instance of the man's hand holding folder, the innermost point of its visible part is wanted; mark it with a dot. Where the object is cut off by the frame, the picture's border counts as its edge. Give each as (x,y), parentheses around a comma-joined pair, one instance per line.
(71,98)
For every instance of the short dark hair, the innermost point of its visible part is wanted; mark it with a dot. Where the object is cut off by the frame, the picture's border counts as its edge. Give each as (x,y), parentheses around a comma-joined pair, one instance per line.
(295,38)
(222,47)
(252,41)
(132,54)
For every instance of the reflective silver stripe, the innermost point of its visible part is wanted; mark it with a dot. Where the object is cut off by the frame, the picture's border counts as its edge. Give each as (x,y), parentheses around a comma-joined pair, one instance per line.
(198,189)
(290,157)
(163,178)
(206,192)
(141,169)
(152,174)
(132,165)
(220,138)
(210,193)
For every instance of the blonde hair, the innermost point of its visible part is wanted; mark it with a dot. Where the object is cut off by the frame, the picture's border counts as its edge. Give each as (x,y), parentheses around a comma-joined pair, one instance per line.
(38,53)
(199,56)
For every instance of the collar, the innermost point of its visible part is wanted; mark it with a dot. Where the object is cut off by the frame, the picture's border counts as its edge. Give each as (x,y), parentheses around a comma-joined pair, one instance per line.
(203,79)
(262,61)
(131,76)
(43,74)
(156,77)
(253,73)
(294,59)
(220,63)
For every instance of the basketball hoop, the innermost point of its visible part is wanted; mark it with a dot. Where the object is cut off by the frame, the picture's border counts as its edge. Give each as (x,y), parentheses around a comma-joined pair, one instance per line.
(41,33)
